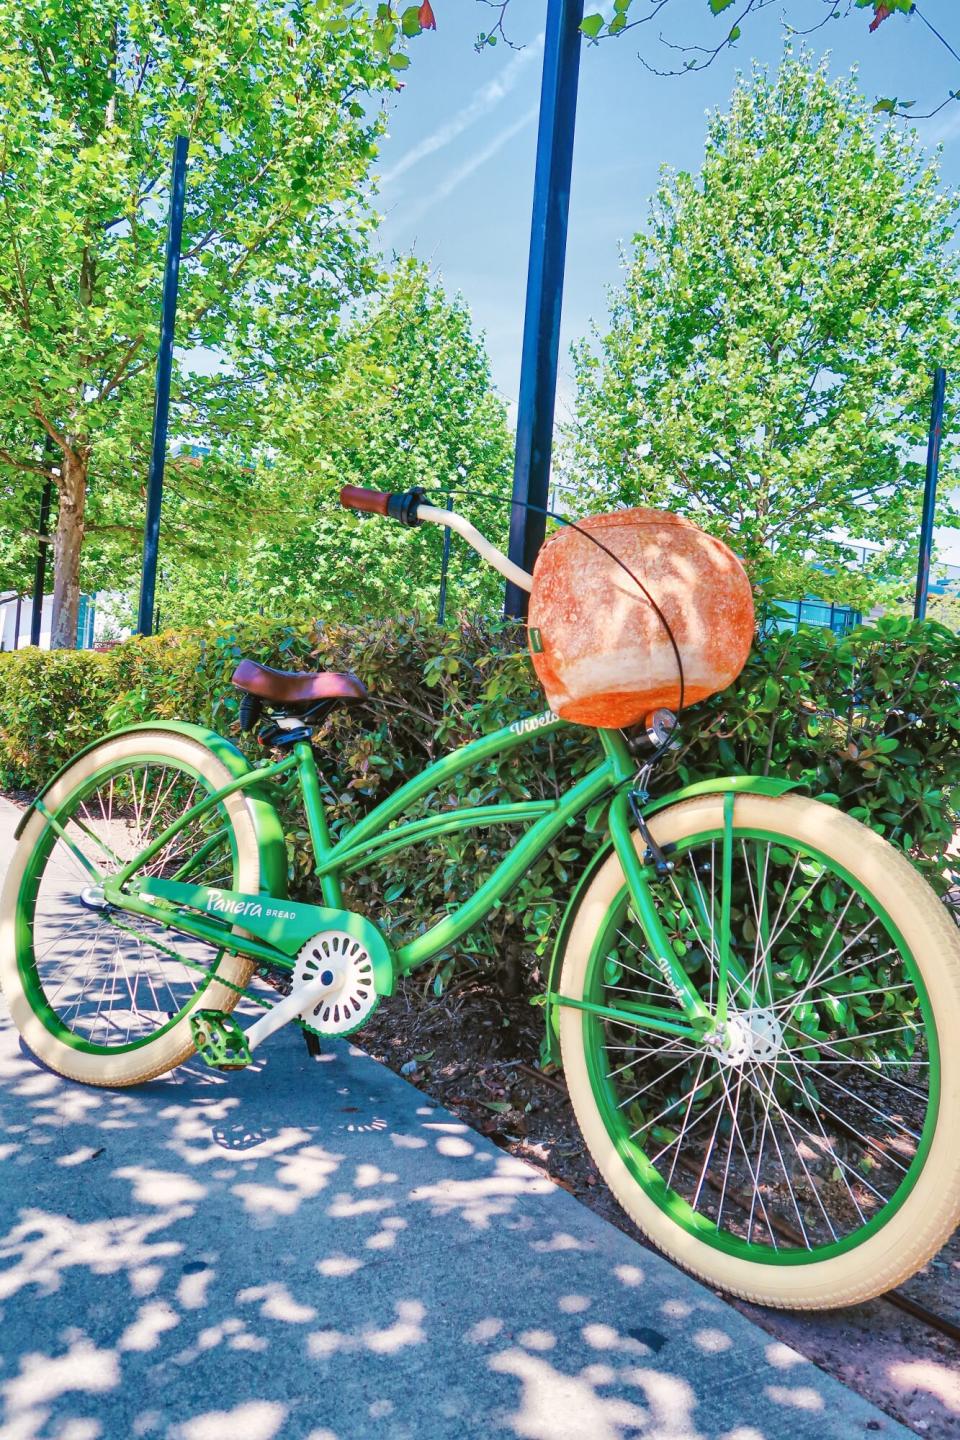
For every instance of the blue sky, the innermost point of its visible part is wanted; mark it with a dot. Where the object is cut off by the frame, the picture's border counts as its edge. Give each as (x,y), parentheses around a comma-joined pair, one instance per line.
(457,165)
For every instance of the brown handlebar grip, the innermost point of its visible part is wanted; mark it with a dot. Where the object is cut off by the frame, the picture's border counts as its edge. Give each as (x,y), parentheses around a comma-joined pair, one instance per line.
(355,497)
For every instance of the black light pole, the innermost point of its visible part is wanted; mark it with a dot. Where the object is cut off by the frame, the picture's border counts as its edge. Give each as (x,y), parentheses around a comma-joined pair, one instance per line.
(40,569)
(541,325)
(161,409)
(444,569)
(930,494)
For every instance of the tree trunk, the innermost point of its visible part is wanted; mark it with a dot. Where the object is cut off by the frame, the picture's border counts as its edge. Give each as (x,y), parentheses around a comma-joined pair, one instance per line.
(67,545)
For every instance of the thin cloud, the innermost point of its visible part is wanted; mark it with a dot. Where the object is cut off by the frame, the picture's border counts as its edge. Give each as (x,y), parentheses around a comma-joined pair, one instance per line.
(486,99)
(456,177)
(947,130)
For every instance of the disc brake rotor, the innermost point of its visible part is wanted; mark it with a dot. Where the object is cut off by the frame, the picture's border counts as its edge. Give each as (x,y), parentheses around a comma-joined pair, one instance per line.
(352,998)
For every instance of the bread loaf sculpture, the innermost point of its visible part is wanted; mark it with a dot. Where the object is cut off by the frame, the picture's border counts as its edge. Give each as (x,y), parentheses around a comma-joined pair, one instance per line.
(601,651)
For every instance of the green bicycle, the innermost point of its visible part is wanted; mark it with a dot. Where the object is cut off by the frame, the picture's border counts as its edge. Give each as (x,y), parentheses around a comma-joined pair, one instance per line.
(752,994)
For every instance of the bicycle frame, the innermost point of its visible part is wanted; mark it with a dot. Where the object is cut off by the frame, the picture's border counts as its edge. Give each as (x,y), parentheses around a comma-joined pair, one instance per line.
(274,936)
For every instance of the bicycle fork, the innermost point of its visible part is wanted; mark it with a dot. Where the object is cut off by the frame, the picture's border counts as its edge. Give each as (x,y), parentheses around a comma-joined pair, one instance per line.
(623,818)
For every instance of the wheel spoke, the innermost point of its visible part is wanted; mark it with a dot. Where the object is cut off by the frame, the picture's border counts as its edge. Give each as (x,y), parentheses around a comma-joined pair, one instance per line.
(859,1100)
(780,1139)
(816,967)
(798,996)
(754,1175)
(706,1161)
(109,982)
(706,946)
(657,1080)
(686,1118)
(704,1115)
(867,1139)
(803,1165)
(666,1111)
(667,1049)
(851,1039)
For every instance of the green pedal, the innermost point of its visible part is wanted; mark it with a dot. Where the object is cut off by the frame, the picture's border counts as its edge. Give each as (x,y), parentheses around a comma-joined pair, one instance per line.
(219,1040)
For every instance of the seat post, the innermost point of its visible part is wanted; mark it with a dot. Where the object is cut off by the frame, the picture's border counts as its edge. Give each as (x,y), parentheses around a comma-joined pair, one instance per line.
(317,821)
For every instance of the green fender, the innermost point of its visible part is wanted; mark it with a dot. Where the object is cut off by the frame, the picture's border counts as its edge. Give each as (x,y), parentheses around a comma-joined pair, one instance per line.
(273,850)
(735,784)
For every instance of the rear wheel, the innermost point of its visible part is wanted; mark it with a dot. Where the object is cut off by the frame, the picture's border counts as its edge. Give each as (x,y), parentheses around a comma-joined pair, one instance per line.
(806,1154)
(102,995)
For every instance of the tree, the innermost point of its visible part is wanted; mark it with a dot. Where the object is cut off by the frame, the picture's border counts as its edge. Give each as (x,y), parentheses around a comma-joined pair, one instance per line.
(632,14)
(275,99)
(18,543)
(684,56)
(767,366)
(408,401)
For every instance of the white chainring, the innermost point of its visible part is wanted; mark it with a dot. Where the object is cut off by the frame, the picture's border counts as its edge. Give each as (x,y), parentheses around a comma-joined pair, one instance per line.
(352,997)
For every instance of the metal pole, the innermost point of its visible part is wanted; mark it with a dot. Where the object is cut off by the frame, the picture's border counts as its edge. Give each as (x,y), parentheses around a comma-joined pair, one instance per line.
(16,623)
(541,325)
(161,409)
(40,570)
(444,568)
(930,494)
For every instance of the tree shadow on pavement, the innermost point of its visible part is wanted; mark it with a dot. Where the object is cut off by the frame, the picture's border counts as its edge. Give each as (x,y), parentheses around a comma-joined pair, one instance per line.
(308,1249)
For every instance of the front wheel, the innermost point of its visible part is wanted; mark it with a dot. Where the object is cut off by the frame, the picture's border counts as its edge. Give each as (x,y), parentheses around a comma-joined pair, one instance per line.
(805,1152)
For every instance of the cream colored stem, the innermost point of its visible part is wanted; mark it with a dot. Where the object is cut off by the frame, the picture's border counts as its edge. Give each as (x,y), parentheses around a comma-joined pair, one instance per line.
(472,535)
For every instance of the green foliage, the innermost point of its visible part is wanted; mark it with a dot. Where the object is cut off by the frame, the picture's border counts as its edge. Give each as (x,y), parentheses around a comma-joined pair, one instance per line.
(699,50)
(51,703)
(625,17)
(408,401)
(767,367)
(627,14)
(18,543)
(869,722)
(890,6)
(279,104)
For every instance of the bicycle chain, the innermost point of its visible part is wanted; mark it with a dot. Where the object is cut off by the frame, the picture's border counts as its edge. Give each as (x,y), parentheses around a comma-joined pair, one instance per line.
(221,980)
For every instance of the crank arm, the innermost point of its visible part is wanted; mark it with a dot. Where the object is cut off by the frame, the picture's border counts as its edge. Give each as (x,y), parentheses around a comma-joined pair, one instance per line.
(289,1007)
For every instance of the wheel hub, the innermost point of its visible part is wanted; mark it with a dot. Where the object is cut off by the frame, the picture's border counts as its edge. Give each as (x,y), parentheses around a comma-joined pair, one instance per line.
(352,996)
(749,1037)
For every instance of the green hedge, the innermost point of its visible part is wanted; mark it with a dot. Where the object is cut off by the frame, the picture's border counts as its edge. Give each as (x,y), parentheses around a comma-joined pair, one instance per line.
(870,722)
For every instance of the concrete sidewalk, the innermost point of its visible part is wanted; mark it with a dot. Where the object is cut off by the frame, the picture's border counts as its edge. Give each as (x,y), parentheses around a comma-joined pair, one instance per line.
(311,1249)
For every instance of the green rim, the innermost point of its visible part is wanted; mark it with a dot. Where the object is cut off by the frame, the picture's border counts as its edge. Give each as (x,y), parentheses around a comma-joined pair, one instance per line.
(29,891)
(670,1200)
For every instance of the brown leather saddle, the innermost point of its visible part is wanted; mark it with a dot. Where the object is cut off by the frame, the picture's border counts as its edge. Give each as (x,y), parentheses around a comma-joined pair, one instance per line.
(297,690)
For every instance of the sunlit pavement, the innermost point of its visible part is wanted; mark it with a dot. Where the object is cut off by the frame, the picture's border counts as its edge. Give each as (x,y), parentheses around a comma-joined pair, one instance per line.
(309,1249)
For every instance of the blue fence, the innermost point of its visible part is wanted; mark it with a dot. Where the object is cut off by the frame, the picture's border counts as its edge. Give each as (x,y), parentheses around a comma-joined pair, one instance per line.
(85,621)
(838,618)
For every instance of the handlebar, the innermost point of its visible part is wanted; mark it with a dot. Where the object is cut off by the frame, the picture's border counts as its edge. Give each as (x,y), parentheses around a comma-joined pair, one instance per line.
(377,502)
(409,509)
(372,502)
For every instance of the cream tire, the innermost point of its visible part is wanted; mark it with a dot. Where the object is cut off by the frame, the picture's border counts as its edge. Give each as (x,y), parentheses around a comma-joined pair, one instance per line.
(931,1211)
(173,1046)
